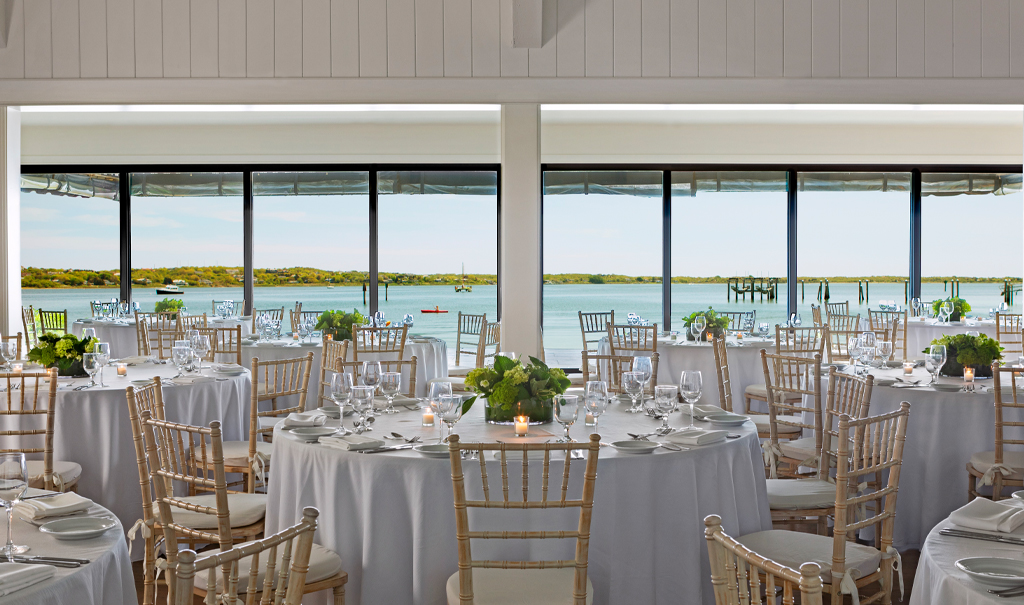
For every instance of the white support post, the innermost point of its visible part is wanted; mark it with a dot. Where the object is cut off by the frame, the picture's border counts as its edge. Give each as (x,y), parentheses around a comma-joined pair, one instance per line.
(10,220)
(521,277)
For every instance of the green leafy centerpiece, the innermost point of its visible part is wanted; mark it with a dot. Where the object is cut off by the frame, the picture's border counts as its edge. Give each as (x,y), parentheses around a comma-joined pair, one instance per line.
(169,304)
(716,324)
(339,323)
(62,352)
(963,350)
(511,389)
(960,307)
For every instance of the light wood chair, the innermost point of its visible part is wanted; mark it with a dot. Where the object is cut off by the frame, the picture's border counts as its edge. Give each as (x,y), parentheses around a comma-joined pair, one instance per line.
(275,314)
(298,315)
(53,322)
(609,368)
(32,402)
(1002,467)
(788,379)
(594,327)
(156,341)
(193,456)
(1008,333)
(535,582)
(626,339)
(736,319)
(737,572)
(145,323)
(722,370)
(16,339)
(839,308)
(379,341)
(894,325)
(333,352)
(867,447)
(469,331)
(803,342)
(240,567)
(838,331)
(28,322)
(490,343)
(394,365)
(816,318)
(190,322)
(224,343)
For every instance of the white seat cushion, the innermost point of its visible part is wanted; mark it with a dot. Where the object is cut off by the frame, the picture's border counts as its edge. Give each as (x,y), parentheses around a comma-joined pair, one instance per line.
(793,549)
(69,472)
(323,564)
(984,460)
(236,453)
(246,509)
(761,392)
(800,493)
(763,422)
(800,449)
(518,586)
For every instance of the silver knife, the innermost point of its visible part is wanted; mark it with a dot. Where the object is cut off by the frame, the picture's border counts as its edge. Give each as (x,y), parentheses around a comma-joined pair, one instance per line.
(957,533)
(51,562)
(389,448)
(49,558)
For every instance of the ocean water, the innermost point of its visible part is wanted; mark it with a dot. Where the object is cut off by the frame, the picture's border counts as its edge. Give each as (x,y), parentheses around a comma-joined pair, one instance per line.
(561,302)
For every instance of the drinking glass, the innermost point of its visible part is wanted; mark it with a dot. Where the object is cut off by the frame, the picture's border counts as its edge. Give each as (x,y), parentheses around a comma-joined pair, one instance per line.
(633,383)
(8,351)
(450,407)
(390,385)
(303,329)
(13,483)
(102,350)
(91,364)
(180,355)
(665,403)
(867,356)
(796,321)
(884,351)
(341,389)
(697,327)
(434,394)
(763,329)
(690,387)
(362,402)
(947,309)
(643,365)
(201,345)
(915,304)
(934,360)
(1003,307)
(567,410)
(88,333)
(595,395)
(868,339)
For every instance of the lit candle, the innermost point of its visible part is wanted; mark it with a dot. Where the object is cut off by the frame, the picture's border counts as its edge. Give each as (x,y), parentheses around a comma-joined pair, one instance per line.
(428,417)
(295,335)
(329,337)
(968,374)
(590,420)
(122,369)
(17,367)
(908,368)
(522,425)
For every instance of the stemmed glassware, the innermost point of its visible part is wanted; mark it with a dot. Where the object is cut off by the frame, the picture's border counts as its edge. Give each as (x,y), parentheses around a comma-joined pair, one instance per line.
(390,385)
(915,304)
(13,483)
(303,329)
(88,333)
(8,351)
(947,310)
(362,402)
(690,386)
(665,400)
(201,346)
(341,390)
(633,383)
(434,395)
(567,410)
(867,355)
(595,398)
(102,350)
(450,407)
(180,355)
(643,365)
(934,360)
(91,365)
(371,377)
(697,326)
(853,350)
(795,321)
(763,329)
(884,351)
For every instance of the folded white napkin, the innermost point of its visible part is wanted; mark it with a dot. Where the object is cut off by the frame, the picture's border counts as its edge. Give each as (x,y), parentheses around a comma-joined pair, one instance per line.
(16,576)
(314,418)
(136,359)
(61,504)
(228,368)
(987,515)
(399,400)
(191,379)
(696,436)
(701,409)
(351,442)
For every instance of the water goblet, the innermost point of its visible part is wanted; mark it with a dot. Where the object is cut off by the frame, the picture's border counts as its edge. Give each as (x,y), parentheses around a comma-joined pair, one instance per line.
(371,378)
(934,360)
(867,356)
(947,309)
(643,365)
(91,365)
(915,304)
(341,389)
(763,329)
(390,385)
(697,326)
(8,351)
(180,355)
(868,339)
(884,351)
(853,350)
(633,383)
(690,385)
(13,484)
(595,395)
(567,410)
(362,402)
(665,400)
(450,407)
(102,350)
(201,346)
(88,333)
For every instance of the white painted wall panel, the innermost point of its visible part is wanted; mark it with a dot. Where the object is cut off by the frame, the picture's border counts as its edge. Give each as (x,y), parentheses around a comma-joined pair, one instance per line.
(910,38)
(205,17)
(149,36)
(120,38)
(1017,39)
(626,45)
(430,38)
(288,38)
(769,34)
(177,39)
(601,38)
(572,39)
(685,34)
(486,38)
(345,38)
(712,44)
(92,38)
(316,38)
(12,57)
(401,18)
(656,38)
(853,46)
(882,39)
(995,42)
(456,38)
(67,61)
(544,60)
(797,42)
(938,38)
(231,38)
(967,38)
(38,45)
(825,36)
(741,31)
(515,62)
(373,39)
(259,38)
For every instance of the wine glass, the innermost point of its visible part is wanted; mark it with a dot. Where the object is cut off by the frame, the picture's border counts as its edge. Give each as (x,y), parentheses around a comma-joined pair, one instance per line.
(8,351)
(665,399)
(934,360)
(868,339)
(91,365)
(690,386)
(450,407)
(853,350)
(201,345)
(633,383)
(371,377)
(763,329)
(303,329)
(180,355)
(390,385)
(884,351)
(362,402)
(595,398)
(697,326)
(102,349)
(796,321)
(867,356)
(947,309)
(567,410)
(341,389)
(13,483)
(915,304)
(88,333)
(643,365)
(434,394)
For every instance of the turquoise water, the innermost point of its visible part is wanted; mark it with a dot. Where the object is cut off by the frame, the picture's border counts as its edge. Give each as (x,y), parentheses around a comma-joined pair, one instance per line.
(561,302)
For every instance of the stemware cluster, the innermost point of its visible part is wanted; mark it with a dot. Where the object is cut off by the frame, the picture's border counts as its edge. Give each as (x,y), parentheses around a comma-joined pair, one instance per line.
(93,363)
(226,309)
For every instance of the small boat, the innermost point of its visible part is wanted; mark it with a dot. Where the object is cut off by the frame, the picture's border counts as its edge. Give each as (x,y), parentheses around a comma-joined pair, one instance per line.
(169,289)
(463,287)
(434,310)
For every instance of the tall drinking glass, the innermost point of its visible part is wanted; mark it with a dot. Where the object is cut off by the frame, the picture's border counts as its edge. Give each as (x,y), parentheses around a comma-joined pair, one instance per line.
(884,351)
(690,386)
(853,350)
(697,327)
(390,385)
(434,395)
(633,384)
(567,410)
(665,400)
(180,355)
(201,345)
(643,365)
(102,350)
(88,333)
(595,395)
(13,483)
(763,329)
(341,389)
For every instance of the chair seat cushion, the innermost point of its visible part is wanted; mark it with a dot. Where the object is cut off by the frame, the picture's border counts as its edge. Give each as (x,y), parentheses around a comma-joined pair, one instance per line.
(246,509)
(323,564)
(69,472)
(761,392)
(799,449)
(763,422)
(793,549)
(800,493)
(517,586)
(236,453)
(1015,460)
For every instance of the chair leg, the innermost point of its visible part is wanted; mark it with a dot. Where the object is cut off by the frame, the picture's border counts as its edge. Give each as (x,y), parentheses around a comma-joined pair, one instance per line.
(339,595)
(972,486)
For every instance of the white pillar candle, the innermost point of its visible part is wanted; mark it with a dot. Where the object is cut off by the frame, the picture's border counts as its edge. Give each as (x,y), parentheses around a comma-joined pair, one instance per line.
(908,368)
(428,417)
(968,374)
(522,425)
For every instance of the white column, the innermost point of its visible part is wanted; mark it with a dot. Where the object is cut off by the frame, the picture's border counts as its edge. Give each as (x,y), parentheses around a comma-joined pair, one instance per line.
(10,220)
(520,229)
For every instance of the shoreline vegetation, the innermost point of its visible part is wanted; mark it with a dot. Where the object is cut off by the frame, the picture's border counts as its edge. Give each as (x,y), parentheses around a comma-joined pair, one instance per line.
(231,277)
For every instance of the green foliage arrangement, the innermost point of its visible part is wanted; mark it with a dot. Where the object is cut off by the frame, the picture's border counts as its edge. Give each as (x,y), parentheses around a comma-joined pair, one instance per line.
(509,382)
(718,324)
(960,306)
(63,352)
(962,350)
(339,323)
(169,304)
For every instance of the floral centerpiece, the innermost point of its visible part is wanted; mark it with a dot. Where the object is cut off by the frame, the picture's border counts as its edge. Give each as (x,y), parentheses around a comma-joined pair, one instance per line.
(716,324)
(169,304)
(511,389)
(62,352)
(963,350)
(339,323)
(960,307)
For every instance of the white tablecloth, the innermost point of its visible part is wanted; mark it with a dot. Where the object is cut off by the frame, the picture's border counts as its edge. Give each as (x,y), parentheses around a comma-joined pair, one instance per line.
(921,332)
(390,516)
(123,337)
(107,580)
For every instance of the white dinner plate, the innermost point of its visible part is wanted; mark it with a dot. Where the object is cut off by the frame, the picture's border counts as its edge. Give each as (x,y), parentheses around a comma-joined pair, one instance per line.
(309,344)
(635,447)
(331,411)
(78,528)
(947,388)
(1019,495)
(432,450)
(726,419)
(311,433)
(997,572)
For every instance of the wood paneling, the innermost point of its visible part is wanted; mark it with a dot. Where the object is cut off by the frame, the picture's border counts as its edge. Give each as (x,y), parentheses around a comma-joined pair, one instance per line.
(38,46)
(769,37)
(259,38)
(345,38)
(572,40)
(515,62)
(544,60)
(401,25)
(316,38)
(92,34)
(882,39)
(741,31)
(995,43)
(486,38)
(373,39)
(231,38)
(797,39)
(177,39)
(600,38)
(853,46)
(825,38)
(712,44)
(938,38)
(205,18)
(288,38)
(67,61)
(456,38)
(656,38)
(967,38)
(910,38)
(120,38)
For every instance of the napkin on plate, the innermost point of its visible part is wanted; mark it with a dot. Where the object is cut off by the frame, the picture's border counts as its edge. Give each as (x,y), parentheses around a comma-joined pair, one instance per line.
(351,442)
(314,418)
(60,504)
(16,576)
(987,515)
(399,400)
(696,436)
(228,368)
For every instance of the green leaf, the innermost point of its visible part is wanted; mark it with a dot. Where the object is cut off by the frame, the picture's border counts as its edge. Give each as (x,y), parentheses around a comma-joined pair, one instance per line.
(538,363)
(503,364)
(467,404)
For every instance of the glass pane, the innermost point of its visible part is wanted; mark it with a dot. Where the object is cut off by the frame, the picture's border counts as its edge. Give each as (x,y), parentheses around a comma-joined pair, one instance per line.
(69,241)
(729,244)
(854,231)
(438,248)
(187,240)
(990,206)
(311,240)
(602,250)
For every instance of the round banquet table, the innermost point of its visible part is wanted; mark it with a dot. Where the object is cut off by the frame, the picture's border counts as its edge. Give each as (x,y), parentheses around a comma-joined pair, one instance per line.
(431,358)
(106,580)
(391,517)
(123,336)
(921,331)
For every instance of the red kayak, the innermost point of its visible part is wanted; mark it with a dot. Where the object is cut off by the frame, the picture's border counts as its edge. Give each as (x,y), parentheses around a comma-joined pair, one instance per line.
(434,310)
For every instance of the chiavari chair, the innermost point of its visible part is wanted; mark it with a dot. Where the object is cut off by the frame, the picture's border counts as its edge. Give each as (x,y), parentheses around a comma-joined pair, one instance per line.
(722,370)
(28,322)
(609,368)
(737,319)
(803,342)
(184,323)
(788,379)
(839,308)
(392,365)
(490,343)
(469,332)
(16,339)
(1002,467)
(273,314)
(894,325)
(1008,333)
(53,322)
(379,341)
(225,343)
(594,327)
(536,582)
(838,331)
(631,339)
